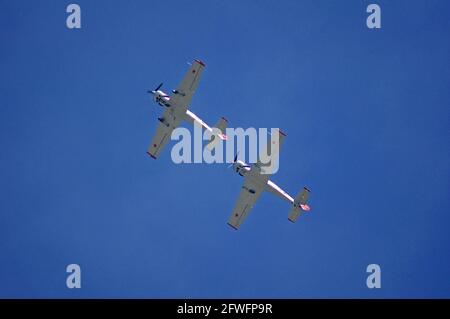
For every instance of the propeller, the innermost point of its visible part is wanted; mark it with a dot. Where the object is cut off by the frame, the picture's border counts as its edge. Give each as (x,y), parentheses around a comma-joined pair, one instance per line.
(234,160)
(155,90)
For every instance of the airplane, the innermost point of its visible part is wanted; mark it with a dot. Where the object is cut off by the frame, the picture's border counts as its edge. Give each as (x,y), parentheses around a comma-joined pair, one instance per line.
(255,182)
(176,110)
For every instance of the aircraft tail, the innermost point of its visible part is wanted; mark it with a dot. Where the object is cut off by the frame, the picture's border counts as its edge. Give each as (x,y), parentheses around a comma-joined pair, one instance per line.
(219,133)
(299,204)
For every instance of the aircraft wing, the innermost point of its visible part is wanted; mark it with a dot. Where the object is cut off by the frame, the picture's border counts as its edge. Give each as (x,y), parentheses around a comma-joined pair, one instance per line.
(167,124)
(250,192)
(185,90)
(270,152)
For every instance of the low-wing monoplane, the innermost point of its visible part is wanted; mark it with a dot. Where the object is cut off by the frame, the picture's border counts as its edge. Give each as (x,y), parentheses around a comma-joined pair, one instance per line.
(256,180)
(176,110)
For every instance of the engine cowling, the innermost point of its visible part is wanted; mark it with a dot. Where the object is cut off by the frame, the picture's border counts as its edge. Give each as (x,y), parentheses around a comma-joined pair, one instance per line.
(161,98)
(241,168)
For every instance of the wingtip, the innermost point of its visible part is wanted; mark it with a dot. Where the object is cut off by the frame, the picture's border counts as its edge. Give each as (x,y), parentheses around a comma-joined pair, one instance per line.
(292,221)
(305,207)
(282,133)
(225,119)
(307,189)
(200,62)
(232,226)
(223,137)
(151,155)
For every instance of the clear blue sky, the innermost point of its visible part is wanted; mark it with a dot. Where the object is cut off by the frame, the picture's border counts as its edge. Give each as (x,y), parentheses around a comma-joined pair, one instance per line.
(367,118)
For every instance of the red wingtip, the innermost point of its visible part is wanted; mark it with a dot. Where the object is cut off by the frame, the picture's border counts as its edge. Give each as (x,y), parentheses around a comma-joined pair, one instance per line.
(151,155)
(200,62)
(305,207)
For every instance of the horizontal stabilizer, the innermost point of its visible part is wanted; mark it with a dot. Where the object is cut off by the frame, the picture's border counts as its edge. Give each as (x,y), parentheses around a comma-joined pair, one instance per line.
(299,204)
(218,133)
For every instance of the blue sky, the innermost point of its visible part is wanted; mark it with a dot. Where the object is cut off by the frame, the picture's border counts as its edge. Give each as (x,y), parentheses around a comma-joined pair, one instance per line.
(367,118)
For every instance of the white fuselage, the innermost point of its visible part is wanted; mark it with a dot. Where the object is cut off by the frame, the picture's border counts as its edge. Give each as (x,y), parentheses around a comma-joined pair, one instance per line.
(243,169)
(163,100)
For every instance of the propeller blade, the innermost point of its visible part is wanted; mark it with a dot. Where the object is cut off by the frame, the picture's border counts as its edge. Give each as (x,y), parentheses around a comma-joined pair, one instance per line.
(234,160)
(155,90)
